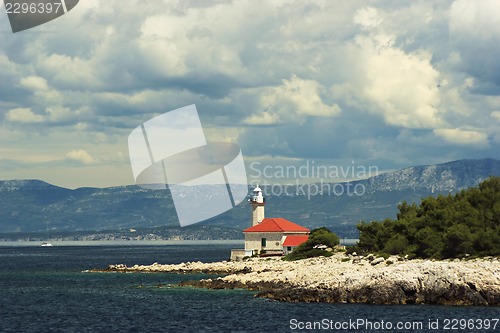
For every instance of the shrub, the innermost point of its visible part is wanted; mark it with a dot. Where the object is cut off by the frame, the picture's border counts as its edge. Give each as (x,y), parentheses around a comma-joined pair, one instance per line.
(319,236)
(384,255)
(307,254)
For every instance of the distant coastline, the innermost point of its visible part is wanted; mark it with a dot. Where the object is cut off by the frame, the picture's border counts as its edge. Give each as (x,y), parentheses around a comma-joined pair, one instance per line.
(131,242)
(160,233)
(127,242)
(349,279)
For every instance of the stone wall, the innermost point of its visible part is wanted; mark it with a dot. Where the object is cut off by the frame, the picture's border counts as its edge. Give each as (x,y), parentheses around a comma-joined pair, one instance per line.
(253,240)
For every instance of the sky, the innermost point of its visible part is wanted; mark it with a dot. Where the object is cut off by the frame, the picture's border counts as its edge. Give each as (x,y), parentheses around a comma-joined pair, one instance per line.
(345,84)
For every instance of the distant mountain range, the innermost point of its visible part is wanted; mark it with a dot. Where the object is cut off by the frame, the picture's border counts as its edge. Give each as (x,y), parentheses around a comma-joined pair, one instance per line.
(31,205)
(193,232)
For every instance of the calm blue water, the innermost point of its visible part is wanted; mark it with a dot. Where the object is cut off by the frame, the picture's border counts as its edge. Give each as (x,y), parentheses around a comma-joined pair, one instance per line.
(44,290)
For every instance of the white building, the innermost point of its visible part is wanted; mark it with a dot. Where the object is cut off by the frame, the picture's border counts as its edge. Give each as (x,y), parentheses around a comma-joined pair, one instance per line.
(269,236)
(274,236)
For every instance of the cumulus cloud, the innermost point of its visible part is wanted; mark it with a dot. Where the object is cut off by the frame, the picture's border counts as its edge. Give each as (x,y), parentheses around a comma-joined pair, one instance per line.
(459,136)
(495,115)
(405,83)
(295,99)
(404,88)
(474,32)
(264,118)
(34,83)
(53,115)
(475,19)
(66,71)
(24,115)
(367,18)
(81,156)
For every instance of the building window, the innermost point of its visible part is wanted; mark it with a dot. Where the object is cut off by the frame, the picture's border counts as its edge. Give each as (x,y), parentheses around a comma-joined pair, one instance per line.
(289,248)
(263,242)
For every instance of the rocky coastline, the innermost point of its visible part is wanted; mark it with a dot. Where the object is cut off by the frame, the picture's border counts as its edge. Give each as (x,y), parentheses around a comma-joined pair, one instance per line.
(350,279)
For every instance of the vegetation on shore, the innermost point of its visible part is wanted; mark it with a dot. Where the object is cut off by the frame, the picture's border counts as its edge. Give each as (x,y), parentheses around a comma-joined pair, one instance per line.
(319,240)
(466,224)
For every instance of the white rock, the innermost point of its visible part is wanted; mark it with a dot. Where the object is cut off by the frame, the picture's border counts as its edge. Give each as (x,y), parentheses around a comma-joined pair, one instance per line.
(377,261)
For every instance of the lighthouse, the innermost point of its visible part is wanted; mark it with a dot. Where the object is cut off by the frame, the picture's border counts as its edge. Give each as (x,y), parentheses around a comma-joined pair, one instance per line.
(270,236)
(257,201)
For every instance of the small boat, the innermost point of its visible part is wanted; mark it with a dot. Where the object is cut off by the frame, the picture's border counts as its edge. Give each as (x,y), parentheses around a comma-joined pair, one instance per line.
(47,244)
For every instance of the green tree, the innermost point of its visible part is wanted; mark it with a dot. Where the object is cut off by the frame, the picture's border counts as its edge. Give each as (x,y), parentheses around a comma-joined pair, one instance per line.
(442,227)
(323,236)
(458,241)
(318,236)
(429,243)
(397,244)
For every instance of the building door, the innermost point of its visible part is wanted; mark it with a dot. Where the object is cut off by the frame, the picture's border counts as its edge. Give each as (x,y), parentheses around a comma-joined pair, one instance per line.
(263,242)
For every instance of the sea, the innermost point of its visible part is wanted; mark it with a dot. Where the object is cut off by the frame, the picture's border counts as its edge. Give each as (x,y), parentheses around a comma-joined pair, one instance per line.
(47,289)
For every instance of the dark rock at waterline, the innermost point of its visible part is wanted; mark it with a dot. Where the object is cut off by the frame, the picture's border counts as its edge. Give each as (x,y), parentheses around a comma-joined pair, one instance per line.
(390,293)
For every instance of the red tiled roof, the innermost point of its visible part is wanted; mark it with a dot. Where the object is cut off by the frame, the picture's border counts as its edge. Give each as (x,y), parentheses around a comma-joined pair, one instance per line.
(295,240)
(276,224)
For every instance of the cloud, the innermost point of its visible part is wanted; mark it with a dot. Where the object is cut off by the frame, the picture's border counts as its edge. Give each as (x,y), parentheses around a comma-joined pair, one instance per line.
(264,118)
(404,88)
(396,83)
(68,72)
(34,83)
(458,136)
(294,100)
(367,18)
(473,27)
(23,115)
(495,115)
(475,19)
(53,115)
(81,156)
(403,85)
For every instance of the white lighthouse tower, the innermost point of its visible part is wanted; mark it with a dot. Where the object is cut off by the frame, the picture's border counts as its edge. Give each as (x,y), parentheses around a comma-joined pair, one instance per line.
(257,201)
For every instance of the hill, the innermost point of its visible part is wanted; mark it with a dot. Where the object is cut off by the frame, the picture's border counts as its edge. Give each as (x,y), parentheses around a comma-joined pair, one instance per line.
(193,232)
(31,205)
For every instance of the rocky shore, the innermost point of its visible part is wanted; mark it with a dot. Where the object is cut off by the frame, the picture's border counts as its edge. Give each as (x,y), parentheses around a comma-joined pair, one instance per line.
(350,279)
